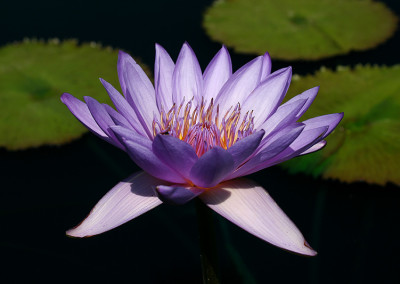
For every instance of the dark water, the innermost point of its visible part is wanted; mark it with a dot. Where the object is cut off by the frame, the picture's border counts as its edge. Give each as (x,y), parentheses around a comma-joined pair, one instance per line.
(355,228)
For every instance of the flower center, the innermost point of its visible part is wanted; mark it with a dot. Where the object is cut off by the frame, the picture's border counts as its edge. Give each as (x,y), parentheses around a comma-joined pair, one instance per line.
(201,127)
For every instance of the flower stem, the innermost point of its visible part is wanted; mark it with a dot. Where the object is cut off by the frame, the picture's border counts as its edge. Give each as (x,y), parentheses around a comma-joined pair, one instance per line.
(208,247)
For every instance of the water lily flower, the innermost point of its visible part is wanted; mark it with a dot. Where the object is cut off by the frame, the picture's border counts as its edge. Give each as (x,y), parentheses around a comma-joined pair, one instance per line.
(194,134)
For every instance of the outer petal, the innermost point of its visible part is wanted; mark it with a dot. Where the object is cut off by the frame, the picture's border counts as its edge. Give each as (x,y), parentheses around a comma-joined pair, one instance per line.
(242,149)
(127,200)
(142,82)
(177,154)
(308,95)
(163,70)
(212,168)
(103,119)
(315,147)
(140,96)
(240,85)
(266,98)
(123,133)
(266,67)
(118,118)
(249,206)
(187,80)
(330,120)
(303,142)
(177,194)
(284,116)
(217,73)
(273,147)
(80,110)
(123,107)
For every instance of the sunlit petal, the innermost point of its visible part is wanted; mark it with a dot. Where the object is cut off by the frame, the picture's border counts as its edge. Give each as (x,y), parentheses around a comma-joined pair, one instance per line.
(249,206)
(127,200)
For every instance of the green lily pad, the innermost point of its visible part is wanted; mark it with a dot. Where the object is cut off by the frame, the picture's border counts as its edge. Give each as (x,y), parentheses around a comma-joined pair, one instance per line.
(34,74)
(292,29)
(365,146)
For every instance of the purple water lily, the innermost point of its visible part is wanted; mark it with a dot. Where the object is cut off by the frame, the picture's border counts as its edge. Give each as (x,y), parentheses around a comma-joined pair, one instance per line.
(194,133)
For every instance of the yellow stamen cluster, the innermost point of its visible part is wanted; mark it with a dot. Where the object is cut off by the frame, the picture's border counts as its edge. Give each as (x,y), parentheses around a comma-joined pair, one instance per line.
(201,127)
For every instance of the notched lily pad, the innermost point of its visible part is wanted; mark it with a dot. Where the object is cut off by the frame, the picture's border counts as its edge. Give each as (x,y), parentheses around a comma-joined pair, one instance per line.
(34,74)
(292,29)
(365,146)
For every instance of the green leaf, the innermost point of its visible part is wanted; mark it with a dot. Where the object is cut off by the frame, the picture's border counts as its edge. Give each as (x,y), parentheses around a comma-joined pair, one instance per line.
(365,146)
(292,29)
(34,74)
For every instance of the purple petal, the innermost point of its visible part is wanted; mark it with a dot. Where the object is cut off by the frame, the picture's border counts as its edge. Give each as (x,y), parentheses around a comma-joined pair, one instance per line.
(80,110)
(266,98)
(140,97)
(187,80)
(175,153)
(314,148)
(212,168)
(308,95)
(284,116)
(216,74)
(117,117)
(103,119)
(275,145)
(163,70)
(266,67)
(177,194)
(127,200)
(123,107)
(242,149)
(144,157)
(249,206)
(140,79)
(305,140)
(240,85)
(123,133)
(330,120)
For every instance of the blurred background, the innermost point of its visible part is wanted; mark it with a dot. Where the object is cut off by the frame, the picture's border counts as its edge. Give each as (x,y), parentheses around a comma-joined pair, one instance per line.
(48,189)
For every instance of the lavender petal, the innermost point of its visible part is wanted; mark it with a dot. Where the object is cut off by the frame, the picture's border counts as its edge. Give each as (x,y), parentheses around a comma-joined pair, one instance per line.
(212,168)
(124,202)
(249,206)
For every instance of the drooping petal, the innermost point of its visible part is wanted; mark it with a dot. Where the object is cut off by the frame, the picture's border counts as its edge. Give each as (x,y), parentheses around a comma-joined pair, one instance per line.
(187,80)
(308,95)
(176,153)
(266,98)
(102,119)
(177,194)
(240,85)
(81,111)
(127,200)
(140,96)
(216,74)
(163,70)
(212,168)
(249,206)
(144,157)
(123,107)
(266,67)
(242,149)
(275,145)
